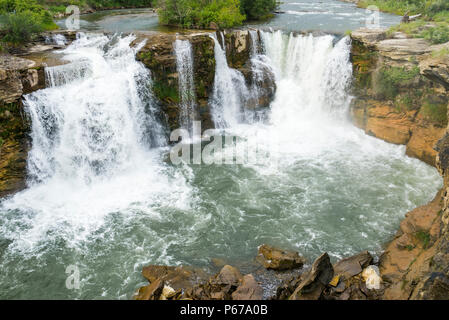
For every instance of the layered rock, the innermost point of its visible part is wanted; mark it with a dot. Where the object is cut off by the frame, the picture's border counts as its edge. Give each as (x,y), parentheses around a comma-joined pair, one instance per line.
(278,259)
(400,91)
(18,76)
(158,55)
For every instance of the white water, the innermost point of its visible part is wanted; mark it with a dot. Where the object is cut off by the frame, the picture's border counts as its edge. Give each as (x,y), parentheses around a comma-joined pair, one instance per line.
(184,64)
(230,91)
(92,134)
(101,196)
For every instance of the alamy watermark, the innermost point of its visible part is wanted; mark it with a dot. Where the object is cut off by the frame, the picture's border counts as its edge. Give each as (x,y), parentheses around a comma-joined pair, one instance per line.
(72,22)
(214,147)
(373,17)
(72,282)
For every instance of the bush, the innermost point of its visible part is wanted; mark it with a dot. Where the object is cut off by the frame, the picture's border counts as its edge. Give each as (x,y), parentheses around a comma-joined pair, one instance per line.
(390,79)
(200,13)
(436,113)
(436,35)
(20,27)
(20,19)
(258,9)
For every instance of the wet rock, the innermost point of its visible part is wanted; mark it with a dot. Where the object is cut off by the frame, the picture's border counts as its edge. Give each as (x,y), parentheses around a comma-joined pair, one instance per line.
(219,287)
(248,290)
(151,292)
(176,277)
(286,289)
(315,281)
(353,266)
(277,259)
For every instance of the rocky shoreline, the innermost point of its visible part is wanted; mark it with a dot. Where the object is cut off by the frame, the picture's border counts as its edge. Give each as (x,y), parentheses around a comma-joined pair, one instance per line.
(414,265)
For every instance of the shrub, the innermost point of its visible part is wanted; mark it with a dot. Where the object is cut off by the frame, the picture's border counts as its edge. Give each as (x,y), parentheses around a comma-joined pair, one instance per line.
(20,27)
(258,9)
(436,113)
(436,35)
(20,19)
(389,80)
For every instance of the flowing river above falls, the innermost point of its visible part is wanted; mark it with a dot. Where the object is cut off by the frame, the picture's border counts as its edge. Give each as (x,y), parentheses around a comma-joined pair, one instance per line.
(103,197)
(331,16)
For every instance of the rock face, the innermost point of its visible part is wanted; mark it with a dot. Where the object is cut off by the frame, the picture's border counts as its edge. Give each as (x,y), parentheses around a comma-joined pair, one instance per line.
(314,282)
(277,259)
(18,76)
(400,91)
(158,56)
(177,283)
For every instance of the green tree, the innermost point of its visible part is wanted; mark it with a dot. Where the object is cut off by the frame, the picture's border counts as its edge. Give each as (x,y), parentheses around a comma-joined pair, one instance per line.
(258,9)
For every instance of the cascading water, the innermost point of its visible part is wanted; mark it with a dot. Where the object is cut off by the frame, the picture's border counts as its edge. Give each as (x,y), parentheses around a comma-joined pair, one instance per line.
(230,91)
(184,64)
(103,199)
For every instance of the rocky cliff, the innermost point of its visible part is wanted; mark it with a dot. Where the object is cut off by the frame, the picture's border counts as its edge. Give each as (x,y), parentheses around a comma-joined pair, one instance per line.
(158,55)
(18,76)
(400,91)
(401,96)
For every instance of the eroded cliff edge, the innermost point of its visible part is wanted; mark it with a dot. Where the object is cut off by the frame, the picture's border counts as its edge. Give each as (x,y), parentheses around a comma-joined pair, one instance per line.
(401,96)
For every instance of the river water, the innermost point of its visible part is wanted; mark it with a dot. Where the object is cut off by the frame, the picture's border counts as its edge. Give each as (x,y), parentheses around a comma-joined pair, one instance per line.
(104,199)
(330,16)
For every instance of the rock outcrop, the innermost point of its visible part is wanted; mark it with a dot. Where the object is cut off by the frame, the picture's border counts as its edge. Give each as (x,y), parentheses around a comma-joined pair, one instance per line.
(277,259)
(400,91)
(158,56)
(18,76)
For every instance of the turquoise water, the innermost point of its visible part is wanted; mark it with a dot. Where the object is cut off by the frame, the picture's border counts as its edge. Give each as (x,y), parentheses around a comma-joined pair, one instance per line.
(104,198)
(330,16)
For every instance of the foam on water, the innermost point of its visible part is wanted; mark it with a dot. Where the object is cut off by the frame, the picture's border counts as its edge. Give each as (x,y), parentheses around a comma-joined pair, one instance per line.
(101,196)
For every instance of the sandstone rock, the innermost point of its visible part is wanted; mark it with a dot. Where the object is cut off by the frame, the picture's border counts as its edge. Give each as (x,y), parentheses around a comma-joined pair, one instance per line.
(277,259)
(219,287)
(436,69)
(354,265)
(151,292)
(313,283)
(369,36)
(248,290)
(175,277)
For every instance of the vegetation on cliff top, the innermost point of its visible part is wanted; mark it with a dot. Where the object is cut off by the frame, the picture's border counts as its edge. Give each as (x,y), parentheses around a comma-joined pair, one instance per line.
(433,25)
(21,19)
(59,6)
(213,13)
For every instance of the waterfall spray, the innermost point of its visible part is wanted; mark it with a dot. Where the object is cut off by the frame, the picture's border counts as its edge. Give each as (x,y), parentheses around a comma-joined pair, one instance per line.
(184,64)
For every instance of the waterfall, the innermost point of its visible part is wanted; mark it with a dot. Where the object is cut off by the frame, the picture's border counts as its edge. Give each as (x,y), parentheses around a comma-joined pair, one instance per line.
(184,65)
(58,39)
(230,91)
(313,76)
(95,116)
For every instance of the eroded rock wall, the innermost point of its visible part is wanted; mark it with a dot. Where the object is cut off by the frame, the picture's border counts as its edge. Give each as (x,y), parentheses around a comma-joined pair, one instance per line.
(400,91)
(158,56)
(17,77)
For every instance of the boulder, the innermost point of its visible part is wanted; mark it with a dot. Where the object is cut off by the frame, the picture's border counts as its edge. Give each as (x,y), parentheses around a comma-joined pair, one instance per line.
(277,259)
(219,287)
(248,290)
(152,291)
(315,281)
(176,277)
(353,266)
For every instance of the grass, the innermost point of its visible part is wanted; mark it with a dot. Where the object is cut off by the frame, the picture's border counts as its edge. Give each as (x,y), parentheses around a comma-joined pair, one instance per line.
(436,113)
(423,237)
(389,80)
(433,25)
(441,53)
